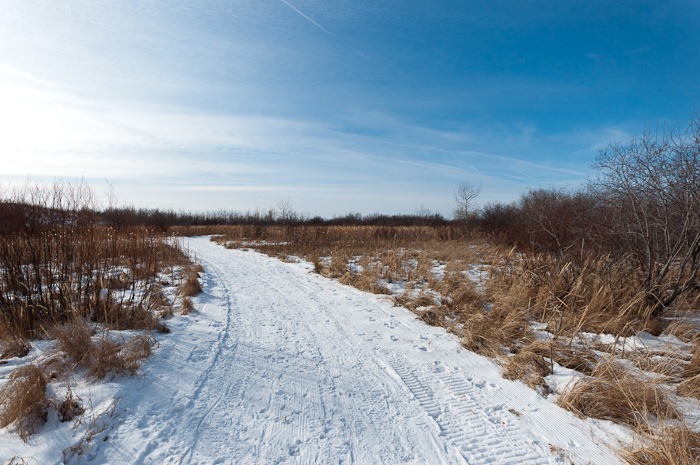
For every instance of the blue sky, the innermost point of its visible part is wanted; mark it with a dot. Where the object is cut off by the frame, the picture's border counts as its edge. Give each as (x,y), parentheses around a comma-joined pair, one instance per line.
(335,105)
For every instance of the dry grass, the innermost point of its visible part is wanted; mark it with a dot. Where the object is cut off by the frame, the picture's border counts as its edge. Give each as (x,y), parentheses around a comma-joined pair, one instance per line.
(101,356)
(23,400)
(191,286)
(187,306)
(69,408)
(533,362)
(690,387)
(14,347)
(489,332)
(685,330)
(613,393)
(529,367)
(669,364)
(671,446)
(60,261)
(597,294)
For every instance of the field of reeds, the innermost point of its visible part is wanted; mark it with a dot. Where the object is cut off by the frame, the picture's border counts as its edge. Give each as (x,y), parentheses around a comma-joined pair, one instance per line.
(534,312)
(67,277)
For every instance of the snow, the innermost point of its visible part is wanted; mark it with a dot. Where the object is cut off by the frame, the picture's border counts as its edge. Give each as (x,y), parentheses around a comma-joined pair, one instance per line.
(281,365)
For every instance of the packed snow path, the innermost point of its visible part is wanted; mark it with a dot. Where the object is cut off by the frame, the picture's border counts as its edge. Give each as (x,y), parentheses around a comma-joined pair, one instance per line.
(280,365)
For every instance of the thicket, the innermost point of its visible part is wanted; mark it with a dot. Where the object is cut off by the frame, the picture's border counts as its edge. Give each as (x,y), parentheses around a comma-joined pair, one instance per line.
(66,275)
(639,215)
(59,262)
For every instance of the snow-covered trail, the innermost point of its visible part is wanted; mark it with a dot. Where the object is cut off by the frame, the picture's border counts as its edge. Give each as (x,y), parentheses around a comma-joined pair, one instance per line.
(281,365)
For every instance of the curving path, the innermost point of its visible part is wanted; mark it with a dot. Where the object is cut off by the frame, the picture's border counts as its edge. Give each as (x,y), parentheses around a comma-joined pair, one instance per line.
(280,365)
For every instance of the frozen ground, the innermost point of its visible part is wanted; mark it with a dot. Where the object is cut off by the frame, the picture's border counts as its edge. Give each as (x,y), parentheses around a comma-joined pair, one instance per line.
(280,365)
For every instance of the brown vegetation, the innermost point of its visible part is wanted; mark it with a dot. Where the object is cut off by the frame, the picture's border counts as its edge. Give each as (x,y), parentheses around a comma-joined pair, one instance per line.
(671,446)
(614,393)
(23,400)
(69,276)
(101,355)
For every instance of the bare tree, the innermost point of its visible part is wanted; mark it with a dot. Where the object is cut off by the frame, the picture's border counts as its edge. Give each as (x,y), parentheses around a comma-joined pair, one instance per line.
(286,211)
(651,190)
(464,195)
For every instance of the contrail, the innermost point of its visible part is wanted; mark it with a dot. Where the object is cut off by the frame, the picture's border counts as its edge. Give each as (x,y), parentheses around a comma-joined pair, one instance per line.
(325,30)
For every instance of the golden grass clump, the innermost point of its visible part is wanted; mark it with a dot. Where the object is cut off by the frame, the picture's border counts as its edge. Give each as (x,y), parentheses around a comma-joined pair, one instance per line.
(191,286)
(530,367)
(187,306)
(75,340)
(670,446)
(133,352)
(489,332)
(434,315)
(670,364)
(613,393)
(596,295)
(23,400)
(14,347)
(101,356)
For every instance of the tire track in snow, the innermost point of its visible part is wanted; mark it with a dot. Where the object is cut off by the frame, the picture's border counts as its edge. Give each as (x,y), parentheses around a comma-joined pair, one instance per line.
(287,367)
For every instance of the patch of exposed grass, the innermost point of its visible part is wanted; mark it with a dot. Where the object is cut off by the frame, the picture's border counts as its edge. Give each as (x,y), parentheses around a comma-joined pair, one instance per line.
(670,446)
(14,347)
(614,393)
(23,400)
(101,356)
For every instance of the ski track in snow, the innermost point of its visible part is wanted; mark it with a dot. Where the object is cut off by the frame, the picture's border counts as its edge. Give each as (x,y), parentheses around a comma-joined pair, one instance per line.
(279,365)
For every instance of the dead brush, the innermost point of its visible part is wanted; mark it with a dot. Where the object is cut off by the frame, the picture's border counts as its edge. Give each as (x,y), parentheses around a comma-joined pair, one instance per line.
(23,400)
(74,339)
(596,295)
(685,330)
(489,332)
(672,445)
(69,408)
(191,285)
(529,366)
(669,364)
(120,316)
(690,387)
(186,306)
(693,367)
(14,347)
(102,356)
(435,315)
(615,394)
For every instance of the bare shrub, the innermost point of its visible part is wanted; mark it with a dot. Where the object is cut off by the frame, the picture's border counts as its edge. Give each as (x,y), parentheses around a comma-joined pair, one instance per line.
(60,261)
(613,393)
(650,190)
(23,400)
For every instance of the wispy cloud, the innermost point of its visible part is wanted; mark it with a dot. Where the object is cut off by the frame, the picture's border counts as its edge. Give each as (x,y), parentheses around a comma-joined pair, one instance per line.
(339,39)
